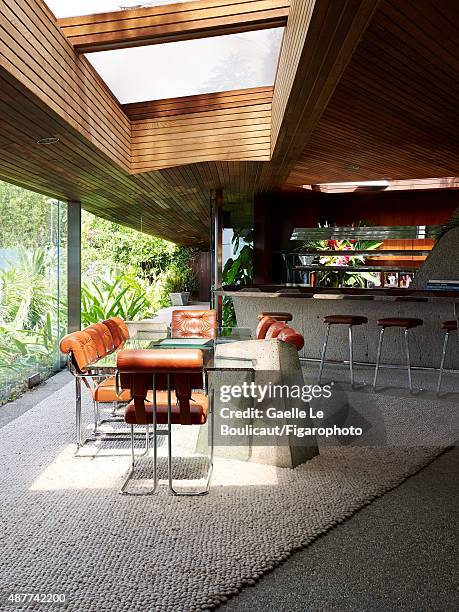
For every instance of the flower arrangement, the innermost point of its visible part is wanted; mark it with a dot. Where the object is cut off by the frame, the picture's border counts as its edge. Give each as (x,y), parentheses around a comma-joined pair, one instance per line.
(344,258)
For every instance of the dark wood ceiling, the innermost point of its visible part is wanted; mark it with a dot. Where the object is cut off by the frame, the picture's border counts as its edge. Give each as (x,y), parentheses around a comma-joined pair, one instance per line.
(381,105)
(394,112)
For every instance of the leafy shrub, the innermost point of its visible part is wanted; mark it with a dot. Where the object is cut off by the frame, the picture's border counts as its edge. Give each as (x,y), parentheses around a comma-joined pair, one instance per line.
(114,295)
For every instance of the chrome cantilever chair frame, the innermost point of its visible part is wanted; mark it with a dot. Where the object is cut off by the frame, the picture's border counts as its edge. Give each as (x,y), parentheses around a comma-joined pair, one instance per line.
(87,378)
(156,432)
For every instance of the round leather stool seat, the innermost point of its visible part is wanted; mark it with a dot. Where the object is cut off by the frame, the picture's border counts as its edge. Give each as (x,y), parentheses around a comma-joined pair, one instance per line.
(449,325)
(406,322)
(278,316)
(345,320)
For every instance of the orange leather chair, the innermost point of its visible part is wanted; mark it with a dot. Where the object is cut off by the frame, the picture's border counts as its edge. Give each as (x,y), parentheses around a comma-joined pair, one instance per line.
(171,376)
(275,329)
(118,330)
(263,326)
(83,349)
(194,324)
(292,337)
(102,337)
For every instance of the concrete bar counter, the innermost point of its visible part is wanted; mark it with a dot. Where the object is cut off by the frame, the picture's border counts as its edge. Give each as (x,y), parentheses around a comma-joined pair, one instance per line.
(310,305)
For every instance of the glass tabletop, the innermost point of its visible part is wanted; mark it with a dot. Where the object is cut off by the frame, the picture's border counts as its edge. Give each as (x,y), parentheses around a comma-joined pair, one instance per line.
(159,339)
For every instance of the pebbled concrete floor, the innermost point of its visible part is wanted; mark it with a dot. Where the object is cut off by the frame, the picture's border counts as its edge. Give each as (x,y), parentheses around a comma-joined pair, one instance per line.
(399,553)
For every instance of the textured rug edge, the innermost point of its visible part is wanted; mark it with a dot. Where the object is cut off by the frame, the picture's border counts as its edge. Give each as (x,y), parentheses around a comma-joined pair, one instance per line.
(224,597)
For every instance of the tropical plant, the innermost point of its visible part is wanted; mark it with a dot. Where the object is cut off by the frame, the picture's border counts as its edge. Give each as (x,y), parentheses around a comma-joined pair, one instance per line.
(26,295)
(111,295)
(238,270)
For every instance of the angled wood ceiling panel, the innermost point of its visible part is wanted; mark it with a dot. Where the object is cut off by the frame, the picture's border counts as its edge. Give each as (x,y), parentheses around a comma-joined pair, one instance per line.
(320,40)
(394,113)
(232,126)
(172,23)
(34,51)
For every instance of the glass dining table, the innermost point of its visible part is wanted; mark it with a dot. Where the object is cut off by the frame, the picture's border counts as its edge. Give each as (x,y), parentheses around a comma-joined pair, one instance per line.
(159,339)
(154,339)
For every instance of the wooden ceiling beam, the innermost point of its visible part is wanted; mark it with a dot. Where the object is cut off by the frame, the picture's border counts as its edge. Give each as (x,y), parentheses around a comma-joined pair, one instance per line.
(172,23)
(320,39)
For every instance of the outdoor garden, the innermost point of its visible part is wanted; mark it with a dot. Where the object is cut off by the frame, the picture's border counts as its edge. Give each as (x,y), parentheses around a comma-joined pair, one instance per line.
(124,273)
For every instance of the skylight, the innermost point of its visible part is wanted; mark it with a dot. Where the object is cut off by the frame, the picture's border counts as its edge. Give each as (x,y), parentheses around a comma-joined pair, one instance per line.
(220,63)
(73,8)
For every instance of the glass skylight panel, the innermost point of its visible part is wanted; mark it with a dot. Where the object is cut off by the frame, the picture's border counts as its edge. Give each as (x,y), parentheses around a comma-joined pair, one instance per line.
(73,8)
(170,70)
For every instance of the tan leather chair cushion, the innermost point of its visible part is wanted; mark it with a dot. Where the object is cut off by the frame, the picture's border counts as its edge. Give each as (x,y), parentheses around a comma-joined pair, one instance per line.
(278,316)
(263,327)
(292,337)
(345,320)
(102,338)
(406,322)
(275,329)
(122,327)
(106,392)
(82,347)
(194,324)
(198,410)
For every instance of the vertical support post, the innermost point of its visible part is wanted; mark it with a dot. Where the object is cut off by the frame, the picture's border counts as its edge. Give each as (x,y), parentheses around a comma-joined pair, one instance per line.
(217,252)
(74,266)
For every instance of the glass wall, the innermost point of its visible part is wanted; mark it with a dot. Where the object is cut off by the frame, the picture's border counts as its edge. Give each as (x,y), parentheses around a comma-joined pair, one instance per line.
(33,238)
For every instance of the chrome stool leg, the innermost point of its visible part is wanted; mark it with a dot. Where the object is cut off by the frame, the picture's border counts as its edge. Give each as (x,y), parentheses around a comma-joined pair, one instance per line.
(442,363)
(378,357)
(351,356)
(324,349)
(408,360)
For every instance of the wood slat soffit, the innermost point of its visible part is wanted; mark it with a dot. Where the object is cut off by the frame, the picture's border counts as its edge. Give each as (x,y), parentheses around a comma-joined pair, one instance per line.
(172,23)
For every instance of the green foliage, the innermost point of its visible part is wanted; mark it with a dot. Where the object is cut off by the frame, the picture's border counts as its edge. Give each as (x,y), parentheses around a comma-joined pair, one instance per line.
(140,264)
(237,271)
(113,295)
(27,218)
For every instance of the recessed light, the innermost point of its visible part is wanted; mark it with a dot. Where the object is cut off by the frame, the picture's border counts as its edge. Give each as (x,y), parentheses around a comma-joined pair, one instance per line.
(381,183)
(48,141)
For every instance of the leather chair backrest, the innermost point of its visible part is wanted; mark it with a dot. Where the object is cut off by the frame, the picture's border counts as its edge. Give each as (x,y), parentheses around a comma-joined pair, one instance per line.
(194,324)
(116,332)
(137,367)
(102,338)
(82,347)
(275,329)
(122,326)
(292,337)
(263,326)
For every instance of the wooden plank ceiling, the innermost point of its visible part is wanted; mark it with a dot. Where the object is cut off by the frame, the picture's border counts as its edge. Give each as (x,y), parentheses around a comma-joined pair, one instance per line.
(394,112)
(375,102)
(172,22)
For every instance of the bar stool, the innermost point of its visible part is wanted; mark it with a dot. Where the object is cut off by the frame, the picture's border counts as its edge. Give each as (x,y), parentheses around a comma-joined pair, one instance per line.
(350,320)
(285,317)
(405,323)
(448,327)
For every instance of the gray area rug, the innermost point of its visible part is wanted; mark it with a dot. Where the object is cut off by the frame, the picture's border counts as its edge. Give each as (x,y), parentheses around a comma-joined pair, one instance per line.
(65,529)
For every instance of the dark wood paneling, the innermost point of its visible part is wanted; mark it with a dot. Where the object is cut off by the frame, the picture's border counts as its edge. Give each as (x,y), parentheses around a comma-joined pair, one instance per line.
(172,23)
(394,112)
(319,41)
